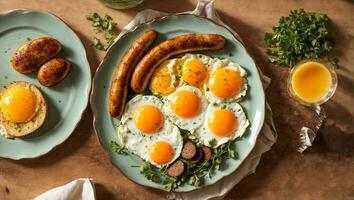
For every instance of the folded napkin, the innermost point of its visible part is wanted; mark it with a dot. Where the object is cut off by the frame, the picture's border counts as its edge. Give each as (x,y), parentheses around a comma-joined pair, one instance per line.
(267,136)
(79,189)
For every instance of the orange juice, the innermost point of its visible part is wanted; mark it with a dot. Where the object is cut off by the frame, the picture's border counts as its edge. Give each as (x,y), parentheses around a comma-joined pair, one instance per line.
(310,81)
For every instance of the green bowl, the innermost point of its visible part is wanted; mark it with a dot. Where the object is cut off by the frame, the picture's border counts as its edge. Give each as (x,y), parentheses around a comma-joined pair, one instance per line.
(121,4)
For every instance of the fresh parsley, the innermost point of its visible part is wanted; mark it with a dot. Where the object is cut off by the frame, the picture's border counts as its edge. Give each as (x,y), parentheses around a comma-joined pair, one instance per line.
(104,25)
(117,148)
(301,35)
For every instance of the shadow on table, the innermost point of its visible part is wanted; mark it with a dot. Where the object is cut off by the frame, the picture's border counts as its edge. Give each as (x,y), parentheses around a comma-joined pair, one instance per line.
(102,193)
(78,138)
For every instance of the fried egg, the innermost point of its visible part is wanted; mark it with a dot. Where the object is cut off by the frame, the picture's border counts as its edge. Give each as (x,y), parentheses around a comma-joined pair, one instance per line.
(195,69)
(223,122)
(227,82)
(165,78)
(146,131)
(191,69)
(186,107)
(23,109)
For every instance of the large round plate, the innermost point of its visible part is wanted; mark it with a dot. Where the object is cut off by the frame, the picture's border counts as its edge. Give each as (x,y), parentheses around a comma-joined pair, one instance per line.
(169,27)
(66,101)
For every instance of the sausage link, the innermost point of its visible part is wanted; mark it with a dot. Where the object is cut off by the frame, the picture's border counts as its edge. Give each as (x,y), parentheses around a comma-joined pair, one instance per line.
(119,86)
(168,48)
(32,55)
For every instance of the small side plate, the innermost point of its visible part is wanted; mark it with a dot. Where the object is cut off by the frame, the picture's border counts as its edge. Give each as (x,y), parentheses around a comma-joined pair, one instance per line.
(66,101)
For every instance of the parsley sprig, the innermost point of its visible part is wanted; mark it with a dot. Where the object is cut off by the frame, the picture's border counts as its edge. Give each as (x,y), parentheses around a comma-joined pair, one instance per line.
(117,148)
(301,35)
(104,25)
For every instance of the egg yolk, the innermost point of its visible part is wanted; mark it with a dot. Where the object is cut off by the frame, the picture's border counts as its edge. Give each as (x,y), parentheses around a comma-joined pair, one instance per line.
(18,105)
(225,83)
(161,152)
(222,122)
(161,80)
(186,104)
(148,119)
(194,72)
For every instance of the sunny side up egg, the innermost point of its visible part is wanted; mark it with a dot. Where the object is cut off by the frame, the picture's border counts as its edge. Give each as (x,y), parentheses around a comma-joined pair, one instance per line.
(146,131)
(186,107)
(191,69)
(227,82)
(223,122)
(23,109)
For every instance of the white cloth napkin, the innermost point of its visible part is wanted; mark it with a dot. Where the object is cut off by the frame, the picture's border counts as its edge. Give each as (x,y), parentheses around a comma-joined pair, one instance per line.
(79,189)
(267,136)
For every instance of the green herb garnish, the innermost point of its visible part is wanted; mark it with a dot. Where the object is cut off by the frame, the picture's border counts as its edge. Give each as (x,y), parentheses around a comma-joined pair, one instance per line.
(117,148)
(104,25)
(194,174)
(301,35)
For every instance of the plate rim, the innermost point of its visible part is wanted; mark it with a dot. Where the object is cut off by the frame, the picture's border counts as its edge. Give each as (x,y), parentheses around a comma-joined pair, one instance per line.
(156,19)
(88,87)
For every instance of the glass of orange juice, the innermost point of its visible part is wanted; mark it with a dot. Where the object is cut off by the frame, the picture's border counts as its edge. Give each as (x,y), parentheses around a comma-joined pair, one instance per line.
(312,82)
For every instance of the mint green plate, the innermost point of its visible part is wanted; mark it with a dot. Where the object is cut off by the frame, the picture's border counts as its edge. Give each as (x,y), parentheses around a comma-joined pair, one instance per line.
(169,27)
(66,101)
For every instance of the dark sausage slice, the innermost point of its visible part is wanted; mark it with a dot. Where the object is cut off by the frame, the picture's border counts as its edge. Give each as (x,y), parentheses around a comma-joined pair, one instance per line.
(189,150)
(198,156)
(207,153)
(176,169)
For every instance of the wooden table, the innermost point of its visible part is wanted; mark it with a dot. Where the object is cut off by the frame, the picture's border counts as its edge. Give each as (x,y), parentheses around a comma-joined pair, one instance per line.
(326,171)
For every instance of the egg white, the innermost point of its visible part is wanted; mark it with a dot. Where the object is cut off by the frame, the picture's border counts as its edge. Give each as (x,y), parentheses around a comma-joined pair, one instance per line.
(189,124)
(217,63)
(137,142)
(205,135)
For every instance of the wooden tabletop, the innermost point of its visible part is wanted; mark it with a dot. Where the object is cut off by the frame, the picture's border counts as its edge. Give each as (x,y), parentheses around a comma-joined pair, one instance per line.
(326,171)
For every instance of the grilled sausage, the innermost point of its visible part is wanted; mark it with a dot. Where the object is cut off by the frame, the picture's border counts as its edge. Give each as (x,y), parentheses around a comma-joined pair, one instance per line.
(53,71)
(176,169)
(207,153)
(189,150)
(168,48)
(119,86)
(32,55)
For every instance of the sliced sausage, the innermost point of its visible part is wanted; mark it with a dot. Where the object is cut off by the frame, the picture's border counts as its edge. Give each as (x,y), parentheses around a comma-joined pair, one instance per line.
(53,71)
(189,150)
(168,48)
(176,169)
(32,55)
(207,153)
(119,86)
(198,156)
